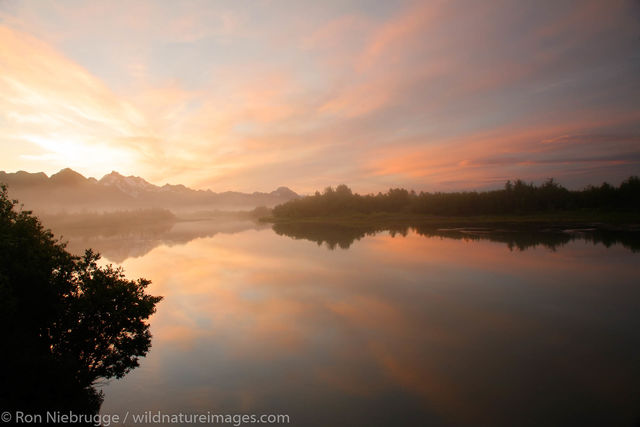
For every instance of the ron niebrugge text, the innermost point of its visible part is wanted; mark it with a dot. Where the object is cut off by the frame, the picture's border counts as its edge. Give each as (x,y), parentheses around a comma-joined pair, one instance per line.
(148,417)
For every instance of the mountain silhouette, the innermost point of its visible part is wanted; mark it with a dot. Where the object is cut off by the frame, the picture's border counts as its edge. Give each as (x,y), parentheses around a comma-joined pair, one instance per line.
(69,191)
(68,177)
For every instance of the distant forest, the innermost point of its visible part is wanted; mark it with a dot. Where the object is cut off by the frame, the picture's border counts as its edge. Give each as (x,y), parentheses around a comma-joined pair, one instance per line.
(515,198)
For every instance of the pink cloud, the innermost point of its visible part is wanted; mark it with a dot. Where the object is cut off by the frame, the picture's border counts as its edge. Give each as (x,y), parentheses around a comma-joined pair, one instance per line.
(424,93)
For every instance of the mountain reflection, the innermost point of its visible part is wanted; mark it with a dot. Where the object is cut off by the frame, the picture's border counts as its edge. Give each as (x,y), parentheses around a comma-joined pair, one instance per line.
(119,242)
(341,236)
(124,241)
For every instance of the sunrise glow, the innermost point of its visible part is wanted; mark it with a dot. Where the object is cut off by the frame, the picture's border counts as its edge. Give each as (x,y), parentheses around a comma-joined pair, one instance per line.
(429,95)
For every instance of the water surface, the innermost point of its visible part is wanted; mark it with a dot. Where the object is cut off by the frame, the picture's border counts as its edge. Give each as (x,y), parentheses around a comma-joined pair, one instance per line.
(414,328)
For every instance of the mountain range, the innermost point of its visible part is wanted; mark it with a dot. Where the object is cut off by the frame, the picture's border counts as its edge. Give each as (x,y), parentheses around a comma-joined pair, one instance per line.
(69,191)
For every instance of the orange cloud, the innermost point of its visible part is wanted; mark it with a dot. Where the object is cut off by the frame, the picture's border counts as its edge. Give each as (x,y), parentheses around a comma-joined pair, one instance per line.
(422,94)
(52,103)
(472,159)
(398,35)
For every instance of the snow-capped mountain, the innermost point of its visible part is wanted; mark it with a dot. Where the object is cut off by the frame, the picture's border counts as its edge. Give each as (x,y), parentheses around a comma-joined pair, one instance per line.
(68,190)
(131,185)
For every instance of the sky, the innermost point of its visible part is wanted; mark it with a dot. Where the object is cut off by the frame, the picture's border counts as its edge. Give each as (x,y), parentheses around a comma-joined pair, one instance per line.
(251,95)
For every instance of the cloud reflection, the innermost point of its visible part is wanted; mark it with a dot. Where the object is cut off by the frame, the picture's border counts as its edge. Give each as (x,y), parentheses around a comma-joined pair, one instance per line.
(399,326)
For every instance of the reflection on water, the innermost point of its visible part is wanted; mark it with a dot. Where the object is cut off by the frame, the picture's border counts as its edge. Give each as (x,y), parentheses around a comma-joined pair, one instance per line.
(417,328)
(117,243)
(344,236)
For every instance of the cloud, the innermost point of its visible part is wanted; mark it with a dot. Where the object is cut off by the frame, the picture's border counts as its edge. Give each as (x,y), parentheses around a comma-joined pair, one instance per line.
(525,151)
(420,94)
(49,101)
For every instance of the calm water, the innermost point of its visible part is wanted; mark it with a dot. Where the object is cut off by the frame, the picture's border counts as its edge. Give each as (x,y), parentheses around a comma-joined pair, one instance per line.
(411,329)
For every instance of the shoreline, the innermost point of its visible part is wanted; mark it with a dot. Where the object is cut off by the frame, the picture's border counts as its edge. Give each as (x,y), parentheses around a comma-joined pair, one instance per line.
(551,222)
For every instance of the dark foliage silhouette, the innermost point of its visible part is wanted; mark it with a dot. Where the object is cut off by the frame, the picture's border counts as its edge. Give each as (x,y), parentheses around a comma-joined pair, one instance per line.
(66,323)
(515,198)
(343,236)
(333,235)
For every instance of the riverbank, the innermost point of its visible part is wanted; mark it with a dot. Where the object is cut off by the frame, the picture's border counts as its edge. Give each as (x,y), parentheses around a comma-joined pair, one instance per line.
(569,220)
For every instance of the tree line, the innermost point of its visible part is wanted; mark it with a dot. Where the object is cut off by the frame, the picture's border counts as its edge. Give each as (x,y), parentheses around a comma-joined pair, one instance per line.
(517,197)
